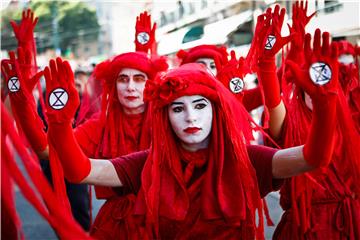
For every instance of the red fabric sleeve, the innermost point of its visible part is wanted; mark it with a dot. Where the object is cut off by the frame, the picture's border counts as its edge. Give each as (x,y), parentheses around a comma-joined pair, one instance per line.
(252,99)
(88,136)
(261,159)
(129,170)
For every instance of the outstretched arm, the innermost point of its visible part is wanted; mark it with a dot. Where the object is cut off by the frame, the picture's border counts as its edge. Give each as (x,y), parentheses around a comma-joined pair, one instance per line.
(268,41)
(144,34)
(24,33)
(21,82)
(322,88)
(62,102)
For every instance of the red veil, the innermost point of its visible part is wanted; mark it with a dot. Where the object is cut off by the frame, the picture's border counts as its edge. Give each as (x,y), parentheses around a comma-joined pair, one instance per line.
(229,189)
(114,132)
(345,163)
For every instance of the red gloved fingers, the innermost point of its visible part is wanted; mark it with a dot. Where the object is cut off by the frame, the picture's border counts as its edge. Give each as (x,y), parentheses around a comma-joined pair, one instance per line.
(300,77)
(231,74)
(75,164)
(62,96)
(270,39)
(23,104)
(6,70)
(20,69)
(323,57)
(144,34)
(24,31)
(300,8)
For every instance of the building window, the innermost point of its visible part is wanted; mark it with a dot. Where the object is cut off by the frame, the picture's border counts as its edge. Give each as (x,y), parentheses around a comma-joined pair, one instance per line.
(332,6)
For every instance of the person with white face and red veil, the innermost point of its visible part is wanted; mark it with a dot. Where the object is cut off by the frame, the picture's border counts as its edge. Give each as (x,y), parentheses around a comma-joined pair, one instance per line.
(322,204)
(215,58)
(198,179)
(349,78)
(122,127)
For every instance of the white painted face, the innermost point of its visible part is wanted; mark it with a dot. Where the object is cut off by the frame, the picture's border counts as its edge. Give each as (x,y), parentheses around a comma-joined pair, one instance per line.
(191,119)
(130,85)
(346,59)
(308,101)
(209,63)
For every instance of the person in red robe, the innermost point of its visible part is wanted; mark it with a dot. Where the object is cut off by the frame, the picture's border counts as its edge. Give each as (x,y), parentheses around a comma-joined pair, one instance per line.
(349,78)
(322,204)
(198,179)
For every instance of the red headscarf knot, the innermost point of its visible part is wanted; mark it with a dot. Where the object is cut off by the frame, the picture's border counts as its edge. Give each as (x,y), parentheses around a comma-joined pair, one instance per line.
(190,79)
(203,51)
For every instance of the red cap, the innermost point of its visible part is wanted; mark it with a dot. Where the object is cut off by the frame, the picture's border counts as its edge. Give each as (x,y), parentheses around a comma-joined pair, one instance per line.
(346,47)
(203,51)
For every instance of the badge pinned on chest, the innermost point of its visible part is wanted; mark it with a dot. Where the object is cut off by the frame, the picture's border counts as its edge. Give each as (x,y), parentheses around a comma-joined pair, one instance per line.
(320,73)
(270,42)
(58,98)
(143,38)
(14,84)
(236,85)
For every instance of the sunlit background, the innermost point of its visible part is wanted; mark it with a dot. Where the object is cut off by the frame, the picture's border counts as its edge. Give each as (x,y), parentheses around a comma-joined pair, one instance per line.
(90,31)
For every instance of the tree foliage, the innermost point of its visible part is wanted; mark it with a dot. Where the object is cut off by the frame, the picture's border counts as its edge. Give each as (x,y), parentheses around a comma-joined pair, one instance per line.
(74,21)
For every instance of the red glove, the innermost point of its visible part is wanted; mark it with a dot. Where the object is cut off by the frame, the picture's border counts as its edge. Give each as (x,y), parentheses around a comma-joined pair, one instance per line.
(144,34)
(232,75)
(269,42)
(61,105)
(299,22)
(24,33)
(319,78)
(20,85)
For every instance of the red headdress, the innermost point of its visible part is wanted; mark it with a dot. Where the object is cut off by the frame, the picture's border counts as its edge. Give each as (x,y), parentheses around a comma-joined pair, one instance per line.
(112,144)
(348,73)
(346,47)
(229,188)
(203,51)
(116,133)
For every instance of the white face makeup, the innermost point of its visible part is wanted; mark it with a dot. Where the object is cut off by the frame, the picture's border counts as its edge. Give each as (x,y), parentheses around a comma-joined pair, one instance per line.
(346,59)
(308,101)
(209,63)
(130,85)
(191,119)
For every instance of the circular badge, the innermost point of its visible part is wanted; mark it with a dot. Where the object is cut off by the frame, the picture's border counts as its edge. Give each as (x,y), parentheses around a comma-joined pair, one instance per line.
(143,38)
(236,85)
(58,98)
(320,73)
(14,84)
(270,42)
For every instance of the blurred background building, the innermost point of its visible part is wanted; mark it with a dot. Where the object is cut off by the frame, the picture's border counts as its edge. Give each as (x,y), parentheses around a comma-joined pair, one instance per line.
(184,24)
(87,32)
(94,30)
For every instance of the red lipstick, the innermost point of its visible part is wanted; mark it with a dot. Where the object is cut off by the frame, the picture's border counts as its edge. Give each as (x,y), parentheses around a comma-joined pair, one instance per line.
(131,98)
(192,130)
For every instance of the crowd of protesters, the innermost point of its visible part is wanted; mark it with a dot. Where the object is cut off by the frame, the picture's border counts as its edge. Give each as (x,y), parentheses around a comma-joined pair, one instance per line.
(171,150)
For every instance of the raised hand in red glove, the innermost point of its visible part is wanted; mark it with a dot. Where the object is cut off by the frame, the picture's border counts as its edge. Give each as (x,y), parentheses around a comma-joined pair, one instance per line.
(24,33)
(319,79)
(269,42)
(144,34)
(20,84)
(269,35)
(61,105)
(299,22)
(61,94)
(232,75)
